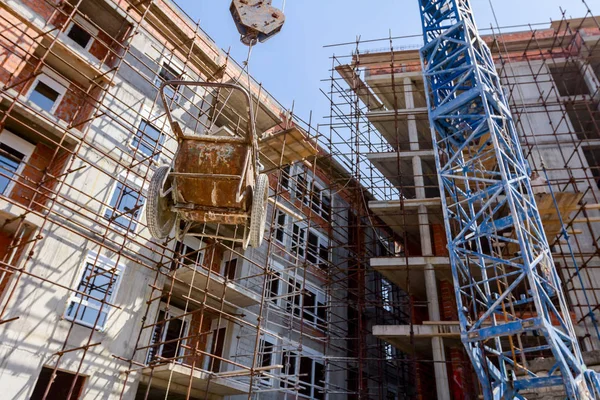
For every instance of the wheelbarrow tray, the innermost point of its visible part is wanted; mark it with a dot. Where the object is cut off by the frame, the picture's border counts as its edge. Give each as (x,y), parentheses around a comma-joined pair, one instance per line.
(208,174)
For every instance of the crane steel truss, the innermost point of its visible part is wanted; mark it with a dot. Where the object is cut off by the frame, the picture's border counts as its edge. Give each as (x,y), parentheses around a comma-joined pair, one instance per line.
(510,302)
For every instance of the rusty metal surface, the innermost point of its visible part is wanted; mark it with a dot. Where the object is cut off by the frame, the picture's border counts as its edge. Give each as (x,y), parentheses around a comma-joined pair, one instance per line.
(204,157)
(256,20)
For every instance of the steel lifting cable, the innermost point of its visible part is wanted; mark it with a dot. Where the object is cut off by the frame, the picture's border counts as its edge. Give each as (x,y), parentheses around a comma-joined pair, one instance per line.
(246,69)
(543,164)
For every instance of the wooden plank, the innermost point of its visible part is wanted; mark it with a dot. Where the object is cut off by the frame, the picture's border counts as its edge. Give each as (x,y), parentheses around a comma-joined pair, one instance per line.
(287,147)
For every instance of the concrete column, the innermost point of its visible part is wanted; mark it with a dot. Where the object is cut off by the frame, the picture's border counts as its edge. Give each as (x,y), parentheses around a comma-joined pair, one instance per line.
(441,372)
(433,302)
(413,133)
(419,179)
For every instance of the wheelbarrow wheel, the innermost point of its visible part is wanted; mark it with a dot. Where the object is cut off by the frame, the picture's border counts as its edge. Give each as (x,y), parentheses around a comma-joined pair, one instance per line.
(258,216)
(159,216)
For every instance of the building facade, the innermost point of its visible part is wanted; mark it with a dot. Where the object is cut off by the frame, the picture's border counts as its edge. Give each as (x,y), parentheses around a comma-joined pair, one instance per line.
(92,307)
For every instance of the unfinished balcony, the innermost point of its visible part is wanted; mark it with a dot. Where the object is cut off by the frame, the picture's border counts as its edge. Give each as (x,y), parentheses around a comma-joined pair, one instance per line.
(408,273)
(417,338)
(82,45)
(189,349)
(413,173)
(177,378)
(31,166)
(203,273)
(402,216)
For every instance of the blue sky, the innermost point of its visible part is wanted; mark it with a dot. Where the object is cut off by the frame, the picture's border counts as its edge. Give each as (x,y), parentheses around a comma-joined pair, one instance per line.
(293,64)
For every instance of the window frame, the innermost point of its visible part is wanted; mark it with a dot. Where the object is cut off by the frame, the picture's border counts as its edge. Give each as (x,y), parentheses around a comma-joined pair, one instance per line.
(320,239)
(291,375)
(272,341)
(304,192)
(286,176)
(54,82)
(298,241)
(176,67)
(318,322)
(215,326)
(281,227)
(22,146)
(86,26)
(388,351)
(135,224)
(387,294)
(313,384)
(107,264)
(277,270)
(147,118)
(170,312)
(200,252)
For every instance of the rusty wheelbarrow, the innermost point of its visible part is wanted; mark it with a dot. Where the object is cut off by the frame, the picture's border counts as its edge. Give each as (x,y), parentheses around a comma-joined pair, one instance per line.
(213,188)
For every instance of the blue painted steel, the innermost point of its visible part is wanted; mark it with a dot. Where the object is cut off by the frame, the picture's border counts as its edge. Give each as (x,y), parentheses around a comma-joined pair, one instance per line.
(510,302)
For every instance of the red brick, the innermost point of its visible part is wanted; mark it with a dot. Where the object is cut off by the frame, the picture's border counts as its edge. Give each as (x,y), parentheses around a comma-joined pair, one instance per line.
(440,242)
(448,301)
(44,8)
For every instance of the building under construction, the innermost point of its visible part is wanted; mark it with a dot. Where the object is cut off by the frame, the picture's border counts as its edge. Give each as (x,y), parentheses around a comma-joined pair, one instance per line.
(349,297)
(551,76)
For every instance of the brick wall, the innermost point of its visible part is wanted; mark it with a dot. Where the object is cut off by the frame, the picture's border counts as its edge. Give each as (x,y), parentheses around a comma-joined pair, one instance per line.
(5,241)
(439,241)
(448,301)
(44,8)
(213,257)
(33,174)
(15,41)
(199,326)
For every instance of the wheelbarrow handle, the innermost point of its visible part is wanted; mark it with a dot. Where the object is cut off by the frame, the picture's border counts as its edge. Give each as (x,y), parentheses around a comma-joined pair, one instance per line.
(251,126)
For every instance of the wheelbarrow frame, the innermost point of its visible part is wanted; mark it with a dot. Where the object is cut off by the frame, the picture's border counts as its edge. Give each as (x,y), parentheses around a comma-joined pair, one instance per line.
(226,215)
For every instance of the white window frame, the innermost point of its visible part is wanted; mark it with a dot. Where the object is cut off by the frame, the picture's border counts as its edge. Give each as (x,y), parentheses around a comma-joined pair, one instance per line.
(312,355)
(22,146)
(97,261)
(137,183)
(306,197)
(274,343)
(281,227)
(301,241)
(158,122)
(303,194)
(176,65)
(277,269)
(292,378)
(388,350)
(55,82)
(229,257)
(322,193)
(322,240)
(171,312)
(193,243)
(387,295)
(286,173)
(393,392)
(319,296)
(86,26)
(215,326)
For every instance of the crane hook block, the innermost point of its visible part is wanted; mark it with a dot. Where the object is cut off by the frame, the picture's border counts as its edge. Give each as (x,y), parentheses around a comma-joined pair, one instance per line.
(256,20)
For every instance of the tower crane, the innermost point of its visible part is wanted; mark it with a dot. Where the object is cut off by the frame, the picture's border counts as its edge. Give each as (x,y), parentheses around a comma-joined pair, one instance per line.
(509,296)
(511,305)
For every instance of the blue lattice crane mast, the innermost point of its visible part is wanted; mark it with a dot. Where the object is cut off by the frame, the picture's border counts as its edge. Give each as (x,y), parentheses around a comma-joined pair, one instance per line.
(510,302)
